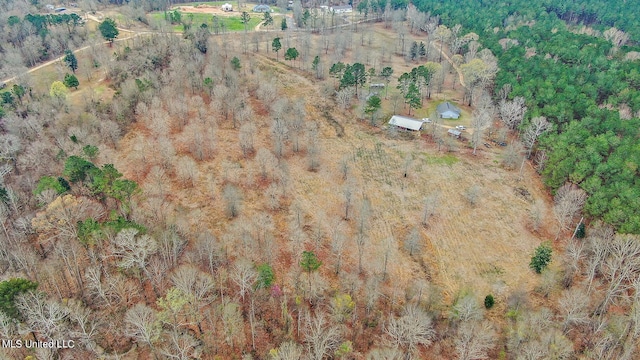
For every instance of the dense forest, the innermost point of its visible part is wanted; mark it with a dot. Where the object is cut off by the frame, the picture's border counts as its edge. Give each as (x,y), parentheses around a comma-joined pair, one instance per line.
(586,81)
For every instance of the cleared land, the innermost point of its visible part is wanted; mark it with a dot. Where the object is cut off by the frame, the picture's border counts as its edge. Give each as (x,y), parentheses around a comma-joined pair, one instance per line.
(485,246)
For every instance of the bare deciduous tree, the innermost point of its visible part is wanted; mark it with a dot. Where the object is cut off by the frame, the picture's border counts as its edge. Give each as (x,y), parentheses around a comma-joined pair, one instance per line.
(362,230)
(187,171)
(43,316)
(246,137)
(467,309)
(481,118)
(288,350)
(512,158)
(244,275)
(430,206)
(413,328)
(568,203)
(413,242)
(512,112)
(142,324)
(621,269)
(313,147)
(574,308)
(231,316)
(344,96)
(536,214)
(267,163)
(232,198)
(280,133)
(472,194)
(538,126)
(134,251)
(322,339)
(474,340)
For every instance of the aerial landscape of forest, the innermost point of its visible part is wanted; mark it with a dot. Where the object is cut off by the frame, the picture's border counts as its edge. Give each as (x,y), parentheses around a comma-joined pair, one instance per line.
(373,179)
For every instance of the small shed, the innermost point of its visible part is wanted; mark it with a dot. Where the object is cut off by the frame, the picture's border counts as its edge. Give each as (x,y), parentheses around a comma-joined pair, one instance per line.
(455,133)
(261,8)
(406,123)
(446,110)
(227,7)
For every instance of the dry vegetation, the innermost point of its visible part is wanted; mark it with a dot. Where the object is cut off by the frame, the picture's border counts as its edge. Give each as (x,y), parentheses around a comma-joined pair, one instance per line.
(258,166)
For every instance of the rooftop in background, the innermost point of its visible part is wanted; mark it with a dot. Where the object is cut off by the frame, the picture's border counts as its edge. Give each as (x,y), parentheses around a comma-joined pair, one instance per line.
(341,8)
(261,8)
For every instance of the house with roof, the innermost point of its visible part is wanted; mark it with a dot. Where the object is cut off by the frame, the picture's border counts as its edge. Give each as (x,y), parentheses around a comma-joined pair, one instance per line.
(340,9)
(446,110)
(261,8)
(406,123)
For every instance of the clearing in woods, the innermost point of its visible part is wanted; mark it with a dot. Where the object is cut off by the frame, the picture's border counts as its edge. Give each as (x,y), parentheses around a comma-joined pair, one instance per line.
(485,247)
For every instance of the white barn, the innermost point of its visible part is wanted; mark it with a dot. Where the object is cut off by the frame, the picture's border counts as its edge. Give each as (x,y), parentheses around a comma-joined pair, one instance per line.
(406,123)
(338,9)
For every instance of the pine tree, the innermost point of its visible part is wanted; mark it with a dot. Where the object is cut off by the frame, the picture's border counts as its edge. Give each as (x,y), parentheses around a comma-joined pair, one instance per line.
(71,81)
(71,60)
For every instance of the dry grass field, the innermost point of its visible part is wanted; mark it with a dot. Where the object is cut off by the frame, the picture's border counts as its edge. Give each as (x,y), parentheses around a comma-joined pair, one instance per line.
(485,247)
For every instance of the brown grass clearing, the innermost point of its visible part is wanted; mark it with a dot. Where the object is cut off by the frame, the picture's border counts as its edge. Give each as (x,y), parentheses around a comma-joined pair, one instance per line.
(486,247)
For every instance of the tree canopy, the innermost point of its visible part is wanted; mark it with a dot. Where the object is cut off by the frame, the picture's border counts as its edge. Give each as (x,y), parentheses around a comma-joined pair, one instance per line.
(108,29)
(585,86)
(9,290)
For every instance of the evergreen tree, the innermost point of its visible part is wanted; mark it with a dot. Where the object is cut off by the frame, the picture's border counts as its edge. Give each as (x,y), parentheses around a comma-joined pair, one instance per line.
(71,60)
(309,263)
(422,51)
(276,46)
(71,81)
(235,63)
(412,97)
(541,258)
(109,30)
(9,290)
(373,105)
(291,54)
(267,19)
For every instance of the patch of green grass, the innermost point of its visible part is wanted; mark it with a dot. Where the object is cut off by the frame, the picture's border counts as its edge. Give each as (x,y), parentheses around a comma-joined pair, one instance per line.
(216,3)
(230,23)
(440,159)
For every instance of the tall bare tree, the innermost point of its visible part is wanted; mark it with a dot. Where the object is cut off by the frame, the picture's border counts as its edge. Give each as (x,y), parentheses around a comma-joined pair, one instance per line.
(413,328)
(143,325)
(621,269)
(474,340)
(244,275)
(322,339)
(538,126)
(512,112)
(568,203)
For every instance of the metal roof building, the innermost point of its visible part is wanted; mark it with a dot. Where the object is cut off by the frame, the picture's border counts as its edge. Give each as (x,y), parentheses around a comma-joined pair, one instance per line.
(406,122)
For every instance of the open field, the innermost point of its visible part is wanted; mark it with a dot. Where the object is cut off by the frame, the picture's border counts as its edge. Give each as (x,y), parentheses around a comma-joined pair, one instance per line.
(230,21)
(485,246)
